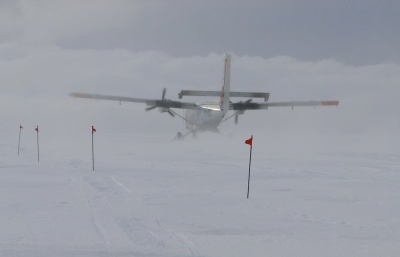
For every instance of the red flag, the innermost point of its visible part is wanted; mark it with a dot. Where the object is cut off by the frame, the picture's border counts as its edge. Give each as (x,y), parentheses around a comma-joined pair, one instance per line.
(37,129)
(249,141)
(20,127)
(93,130)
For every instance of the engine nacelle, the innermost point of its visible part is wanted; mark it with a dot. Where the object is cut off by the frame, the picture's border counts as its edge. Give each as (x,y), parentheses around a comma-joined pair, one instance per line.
(162,109)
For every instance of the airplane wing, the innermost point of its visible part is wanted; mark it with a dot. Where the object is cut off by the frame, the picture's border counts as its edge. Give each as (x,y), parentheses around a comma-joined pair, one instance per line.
(163,103)
(242,106)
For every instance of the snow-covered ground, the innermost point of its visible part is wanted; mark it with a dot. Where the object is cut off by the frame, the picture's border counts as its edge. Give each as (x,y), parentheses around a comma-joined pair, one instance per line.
(150,196)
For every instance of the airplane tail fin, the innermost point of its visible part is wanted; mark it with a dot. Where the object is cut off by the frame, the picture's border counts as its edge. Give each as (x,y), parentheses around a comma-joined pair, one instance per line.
(224,99)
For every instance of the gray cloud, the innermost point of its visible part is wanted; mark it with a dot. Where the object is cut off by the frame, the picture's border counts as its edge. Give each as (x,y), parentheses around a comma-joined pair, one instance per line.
(348,31)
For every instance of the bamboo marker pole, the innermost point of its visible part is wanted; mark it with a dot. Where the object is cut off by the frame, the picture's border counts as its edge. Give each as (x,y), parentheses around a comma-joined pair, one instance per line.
(19,138)
(37,139)
(249,142)
(93,130)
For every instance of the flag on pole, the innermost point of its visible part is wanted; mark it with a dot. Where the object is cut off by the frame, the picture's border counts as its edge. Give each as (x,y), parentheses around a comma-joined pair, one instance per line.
(19,138)
(93,130)
(37,130)
(249,141)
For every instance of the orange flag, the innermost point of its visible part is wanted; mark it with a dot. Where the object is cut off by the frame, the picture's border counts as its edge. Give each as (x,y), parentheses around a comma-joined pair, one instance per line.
(249,141)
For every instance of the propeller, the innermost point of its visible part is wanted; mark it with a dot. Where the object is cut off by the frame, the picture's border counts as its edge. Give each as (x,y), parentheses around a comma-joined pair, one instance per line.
(162,109)
(163,93)
(150,108)
(171,113)
(241,112)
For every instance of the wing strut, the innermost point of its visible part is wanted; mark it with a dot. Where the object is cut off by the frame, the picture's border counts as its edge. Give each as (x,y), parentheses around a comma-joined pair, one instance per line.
(181,117)
(236,113)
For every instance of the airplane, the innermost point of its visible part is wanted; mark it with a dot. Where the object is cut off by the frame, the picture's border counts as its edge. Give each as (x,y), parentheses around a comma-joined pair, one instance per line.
(207,116)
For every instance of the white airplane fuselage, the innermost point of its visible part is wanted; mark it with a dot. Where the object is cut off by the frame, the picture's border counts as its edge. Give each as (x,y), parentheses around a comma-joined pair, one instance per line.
(206,117)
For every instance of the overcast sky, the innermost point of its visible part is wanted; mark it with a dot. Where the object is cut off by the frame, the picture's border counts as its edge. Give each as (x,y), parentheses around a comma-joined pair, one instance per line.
(348,31)
(296,50)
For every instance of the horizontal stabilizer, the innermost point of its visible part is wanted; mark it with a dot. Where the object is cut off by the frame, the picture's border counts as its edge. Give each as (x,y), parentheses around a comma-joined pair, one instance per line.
(219,94)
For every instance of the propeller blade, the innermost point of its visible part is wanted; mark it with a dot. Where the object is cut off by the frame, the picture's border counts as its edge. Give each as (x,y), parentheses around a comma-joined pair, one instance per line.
(163,93)
(150,108)
(236,119)
(171,113)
